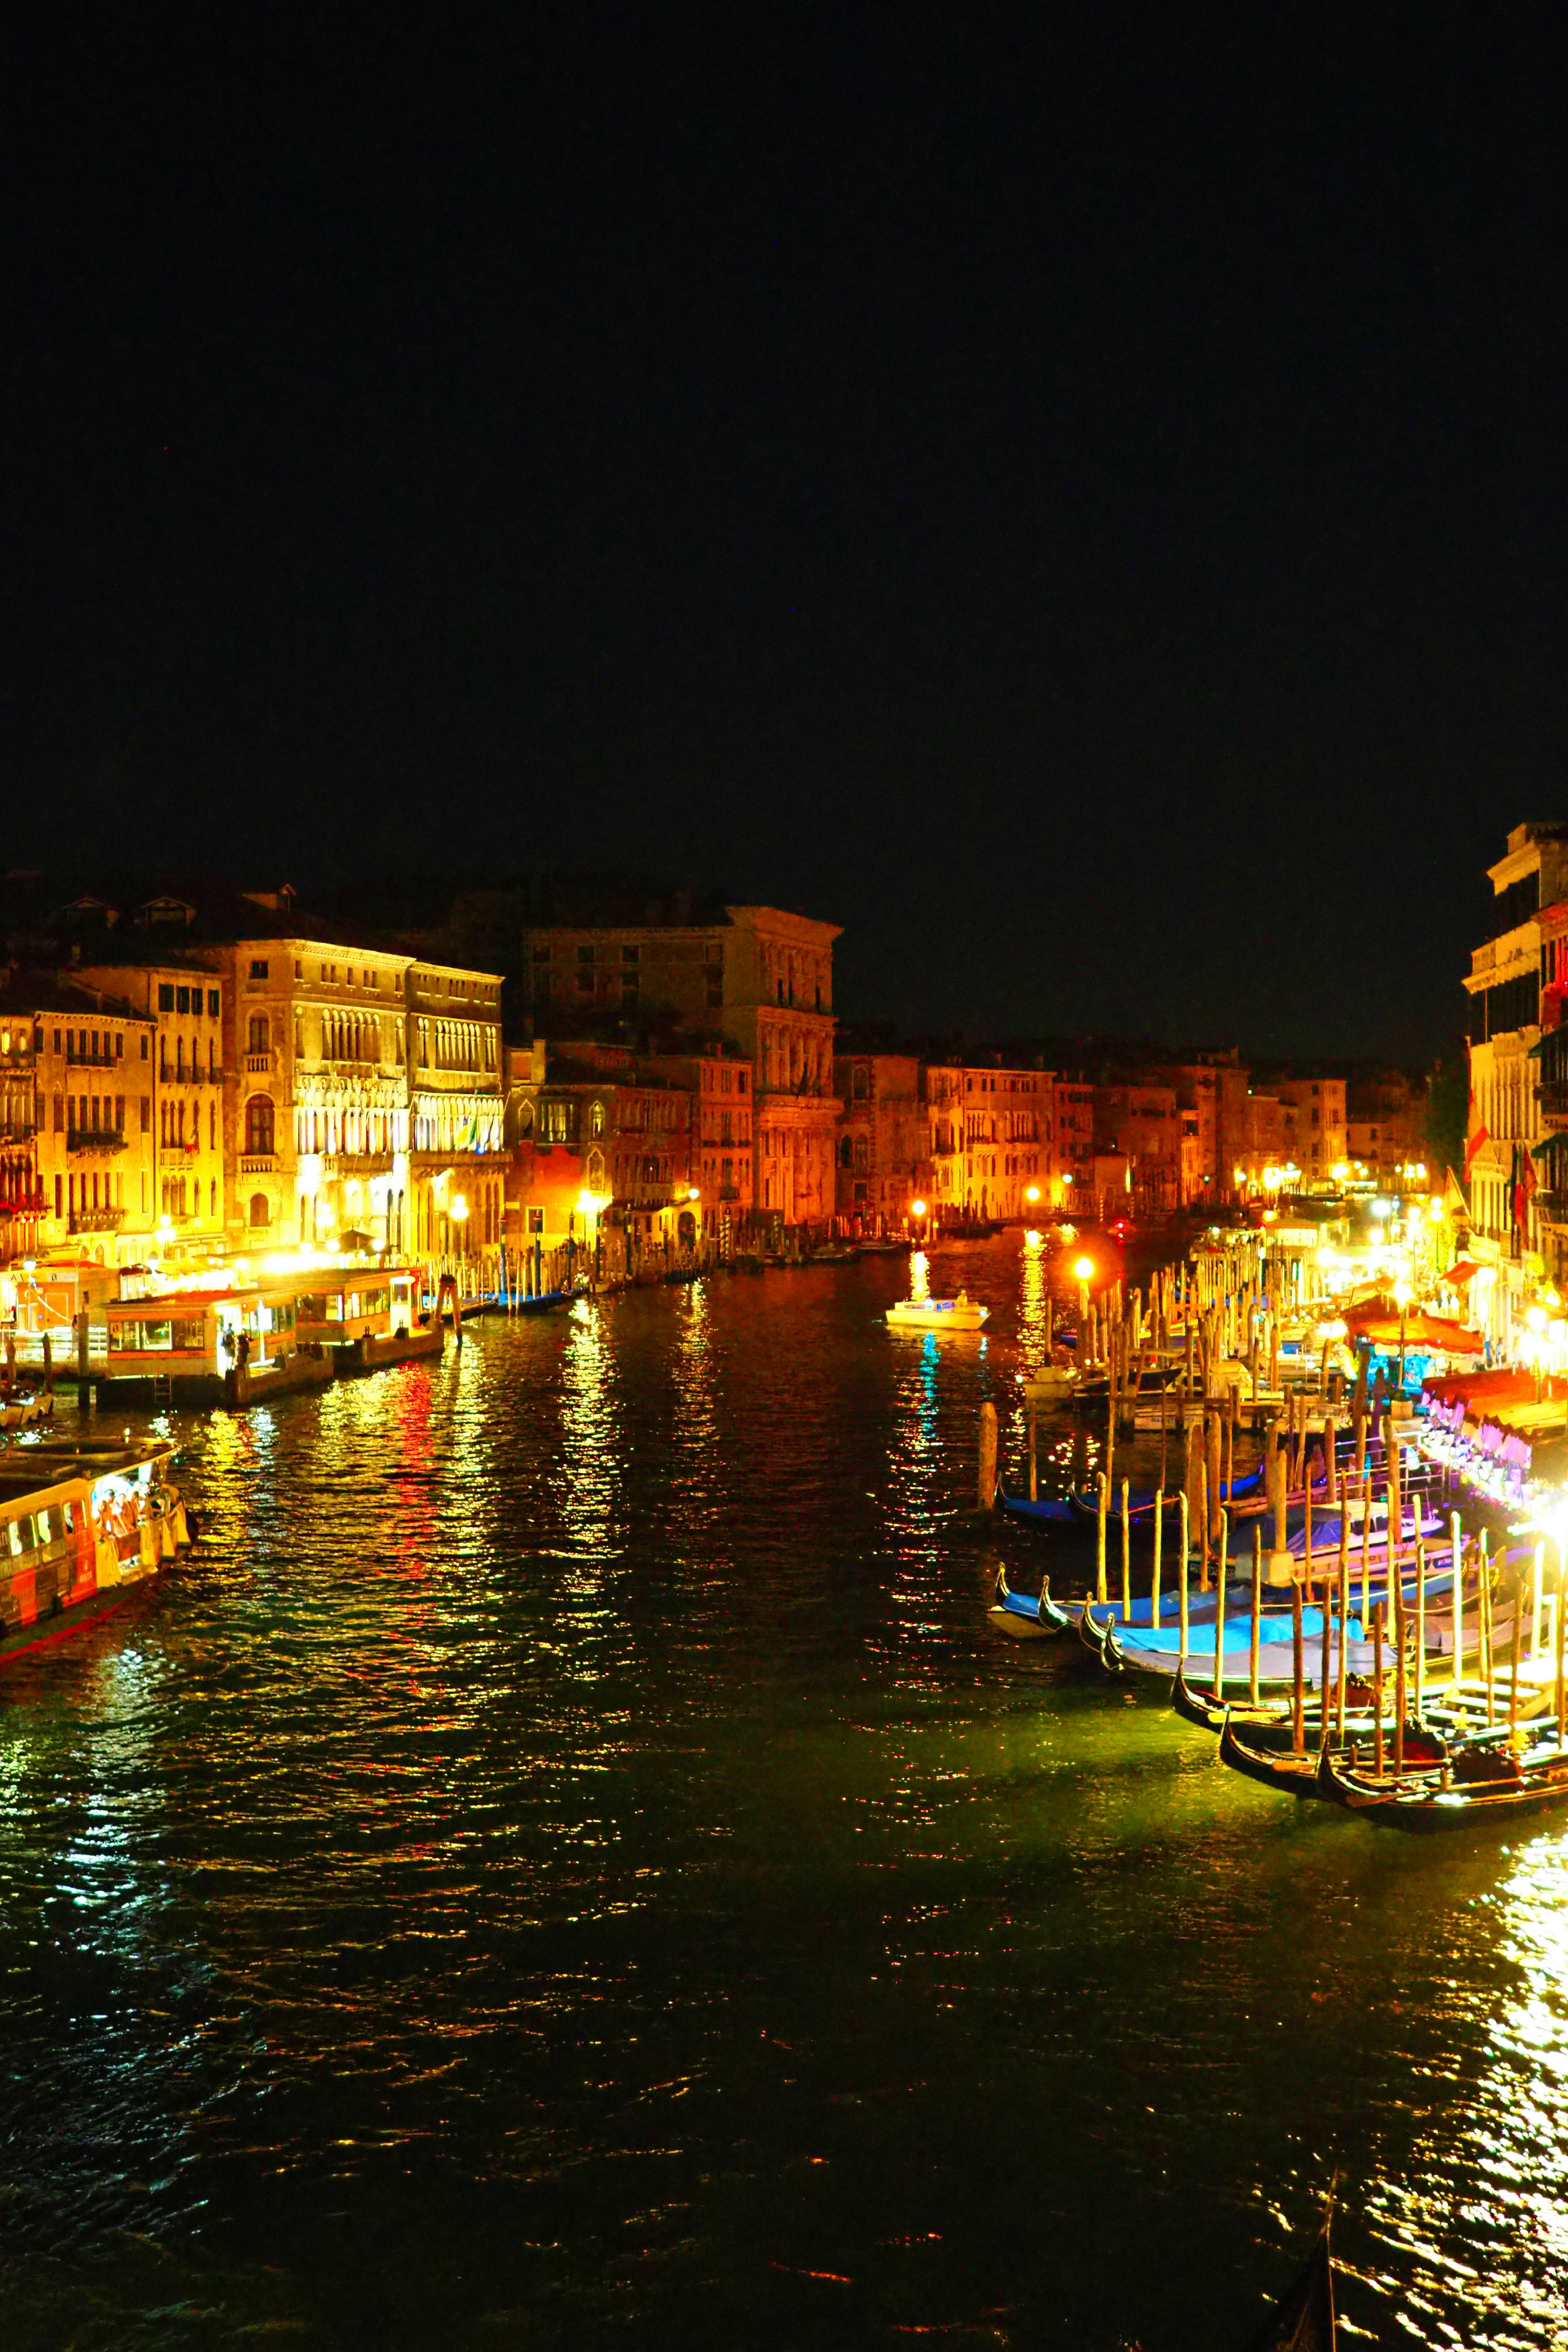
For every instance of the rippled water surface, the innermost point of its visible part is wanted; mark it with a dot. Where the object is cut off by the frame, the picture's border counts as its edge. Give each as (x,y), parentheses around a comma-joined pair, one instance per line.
(570,1862)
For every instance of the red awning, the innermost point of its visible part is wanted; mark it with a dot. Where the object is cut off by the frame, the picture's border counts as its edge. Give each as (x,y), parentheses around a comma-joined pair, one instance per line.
(1457,1276)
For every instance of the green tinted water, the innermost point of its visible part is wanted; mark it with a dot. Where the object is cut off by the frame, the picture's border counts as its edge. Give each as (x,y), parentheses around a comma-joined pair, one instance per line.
(570,1862)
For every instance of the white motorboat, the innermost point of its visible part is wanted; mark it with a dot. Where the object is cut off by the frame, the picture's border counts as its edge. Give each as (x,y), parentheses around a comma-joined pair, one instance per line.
(959,1314)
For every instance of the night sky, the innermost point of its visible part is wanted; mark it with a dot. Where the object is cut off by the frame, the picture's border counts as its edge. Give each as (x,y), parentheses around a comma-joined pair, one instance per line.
(1077,500)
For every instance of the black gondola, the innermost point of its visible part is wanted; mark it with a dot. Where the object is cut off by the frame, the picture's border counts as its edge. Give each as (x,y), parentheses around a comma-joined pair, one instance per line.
(1303,2320)
(1027,1619)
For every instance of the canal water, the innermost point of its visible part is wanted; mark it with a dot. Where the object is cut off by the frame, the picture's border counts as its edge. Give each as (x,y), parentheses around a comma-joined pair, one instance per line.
(569,1862)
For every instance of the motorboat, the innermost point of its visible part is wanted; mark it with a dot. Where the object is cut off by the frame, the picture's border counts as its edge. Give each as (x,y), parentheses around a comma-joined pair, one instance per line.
(959,1314)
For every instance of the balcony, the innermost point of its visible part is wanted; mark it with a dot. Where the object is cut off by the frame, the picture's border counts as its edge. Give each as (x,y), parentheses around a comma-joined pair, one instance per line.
(1552,1208)
(729,1191)
(95,1220)
(258,1064)
(257,1163)
(1552,1097)
(17,1134)
(89,1061)
(94,1139)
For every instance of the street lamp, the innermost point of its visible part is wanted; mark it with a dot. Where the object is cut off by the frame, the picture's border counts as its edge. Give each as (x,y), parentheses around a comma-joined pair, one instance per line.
(917,1218)
(1084,1269)
(1402,1293)
(1535,1319)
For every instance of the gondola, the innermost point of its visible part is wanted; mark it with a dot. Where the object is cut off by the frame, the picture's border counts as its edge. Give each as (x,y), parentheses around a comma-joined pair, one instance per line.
(1303,2320)
(1054,1513)
(1260,1754)
(1294,1772)
(1095,1636)
(1482,1785)
(1084,1501)
(1028,1618)
(1206,1713)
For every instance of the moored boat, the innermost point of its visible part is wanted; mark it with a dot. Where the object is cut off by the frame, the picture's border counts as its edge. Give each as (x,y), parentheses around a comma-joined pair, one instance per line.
(959,1314)
(1028,1617)
(1053,1511)
(82,1529)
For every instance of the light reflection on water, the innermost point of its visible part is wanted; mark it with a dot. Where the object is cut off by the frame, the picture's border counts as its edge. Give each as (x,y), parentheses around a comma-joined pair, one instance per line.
(571,1861)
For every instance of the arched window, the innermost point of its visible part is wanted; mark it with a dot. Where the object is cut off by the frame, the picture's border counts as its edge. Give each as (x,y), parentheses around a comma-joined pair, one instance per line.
(845,1153)
(259,1033)
(596,1120)
(260,1214)
(259,1128)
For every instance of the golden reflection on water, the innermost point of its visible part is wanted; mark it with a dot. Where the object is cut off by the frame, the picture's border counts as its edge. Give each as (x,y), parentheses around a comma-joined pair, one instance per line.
(1034,1308)
(695,1428)
(591,1469)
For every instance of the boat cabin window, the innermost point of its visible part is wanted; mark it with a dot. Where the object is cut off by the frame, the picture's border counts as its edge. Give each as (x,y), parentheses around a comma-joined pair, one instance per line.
(19,1533)
(70,1519)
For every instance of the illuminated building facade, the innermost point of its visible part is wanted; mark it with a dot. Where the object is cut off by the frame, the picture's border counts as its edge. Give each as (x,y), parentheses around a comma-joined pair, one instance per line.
(594,1136)
(1313,1126)
(457,1089)
(884,1141)
(21,1196)
(991,1134)
(316,1117)
(93,1155)
(757,978)
(365,1102)
(185,1002)
(1142,1126)
(1519,1077)
(1072,1122)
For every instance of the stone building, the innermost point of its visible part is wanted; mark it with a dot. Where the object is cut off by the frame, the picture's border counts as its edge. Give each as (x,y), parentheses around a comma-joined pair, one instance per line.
(455,1098)
(1142,1125)
(1072,1115)
(1313,1127)
(884,1141)
(365,1106)
(1385,1127)
(757,978)
(991,1141)
(597,1141)
(92,1078)
(21,1197)
(1519,1077)
(184,1000)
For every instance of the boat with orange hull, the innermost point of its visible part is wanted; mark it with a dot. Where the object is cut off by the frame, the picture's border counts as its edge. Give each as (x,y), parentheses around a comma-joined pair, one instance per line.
(84,1528)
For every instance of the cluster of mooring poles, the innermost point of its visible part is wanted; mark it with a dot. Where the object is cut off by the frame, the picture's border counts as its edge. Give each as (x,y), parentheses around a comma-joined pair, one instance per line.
(1318,1605)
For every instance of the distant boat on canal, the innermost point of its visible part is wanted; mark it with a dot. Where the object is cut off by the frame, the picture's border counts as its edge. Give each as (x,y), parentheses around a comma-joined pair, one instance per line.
(959,1314)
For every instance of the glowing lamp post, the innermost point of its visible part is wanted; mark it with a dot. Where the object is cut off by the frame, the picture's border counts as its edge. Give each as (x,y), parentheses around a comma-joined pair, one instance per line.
(916,1219)
(458,1212)
(1536,1321)
(1402,1293)
(1084,1269)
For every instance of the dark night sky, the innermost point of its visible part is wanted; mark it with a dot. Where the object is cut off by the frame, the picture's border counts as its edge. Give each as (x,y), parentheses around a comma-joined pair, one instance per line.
(1076,499)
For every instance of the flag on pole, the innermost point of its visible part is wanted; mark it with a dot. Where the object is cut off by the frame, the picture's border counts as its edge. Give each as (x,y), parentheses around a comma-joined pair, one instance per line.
(1453,1202)
(1527,1188)
(1476,1135)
